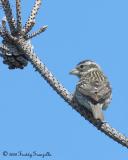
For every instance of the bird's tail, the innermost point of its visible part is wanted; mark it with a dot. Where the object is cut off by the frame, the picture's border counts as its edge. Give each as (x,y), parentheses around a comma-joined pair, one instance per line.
(97,112)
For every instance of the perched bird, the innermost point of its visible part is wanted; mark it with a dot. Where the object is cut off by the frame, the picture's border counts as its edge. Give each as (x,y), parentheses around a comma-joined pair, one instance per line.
(93,90)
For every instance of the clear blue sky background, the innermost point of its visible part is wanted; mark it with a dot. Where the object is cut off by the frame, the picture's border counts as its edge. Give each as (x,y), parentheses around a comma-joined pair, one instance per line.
(33,116)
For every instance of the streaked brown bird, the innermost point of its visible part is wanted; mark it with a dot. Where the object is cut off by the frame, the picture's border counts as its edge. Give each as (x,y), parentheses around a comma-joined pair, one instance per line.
(93,90)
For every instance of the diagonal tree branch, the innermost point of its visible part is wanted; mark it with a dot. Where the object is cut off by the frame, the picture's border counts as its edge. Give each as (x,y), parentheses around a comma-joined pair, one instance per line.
(32,16)
(29,27)
(67,96)
(34,34)
(18,15)
(4,32)
(9,16)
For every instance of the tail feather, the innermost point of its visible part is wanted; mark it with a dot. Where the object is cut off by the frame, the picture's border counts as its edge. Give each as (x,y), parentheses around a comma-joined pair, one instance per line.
(97,112)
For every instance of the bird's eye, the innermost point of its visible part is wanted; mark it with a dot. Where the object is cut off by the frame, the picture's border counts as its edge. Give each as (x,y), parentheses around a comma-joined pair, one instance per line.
(81,66)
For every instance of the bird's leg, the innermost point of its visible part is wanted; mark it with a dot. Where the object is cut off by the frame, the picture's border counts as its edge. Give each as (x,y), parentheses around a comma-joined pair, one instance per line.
(32,16)
(8,14)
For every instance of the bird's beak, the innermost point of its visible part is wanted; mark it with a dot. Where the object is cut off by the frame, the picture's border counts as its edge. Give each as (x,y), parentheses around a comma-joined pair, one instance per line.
(74,72)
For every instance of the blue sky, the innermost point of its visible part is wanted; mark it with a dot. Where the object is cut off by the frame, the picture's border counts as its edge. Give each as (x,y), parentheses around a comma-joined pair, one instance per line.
(33,117)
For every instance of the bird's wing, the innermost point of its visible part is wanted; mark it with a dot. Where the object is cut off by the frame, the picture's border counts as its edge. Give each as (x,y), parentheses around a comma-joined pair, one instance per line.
(96,90)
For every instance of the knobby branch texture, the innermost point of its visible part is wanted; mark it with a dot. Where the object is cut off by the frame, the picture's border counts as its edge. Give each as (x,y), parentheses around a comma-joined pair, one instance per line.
(16,50)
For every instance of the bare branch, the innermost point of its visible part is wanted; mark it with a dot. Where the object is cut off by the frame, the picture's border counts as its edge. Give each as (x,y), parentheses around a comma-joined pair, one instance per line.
(18,15)
(4,32)
(67,96)
(34,34)
(30,26)
(9,16)
(32,15)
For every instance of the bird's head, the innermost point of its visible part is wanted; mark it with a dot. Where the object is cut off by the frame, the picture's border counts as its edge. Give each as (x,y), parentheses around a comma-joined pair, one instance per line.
(83,67)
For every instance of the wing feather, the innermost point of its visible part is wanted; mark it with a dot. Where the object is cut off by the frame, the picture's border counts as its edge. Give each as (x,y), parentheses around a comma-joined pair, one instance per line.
(95,86)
